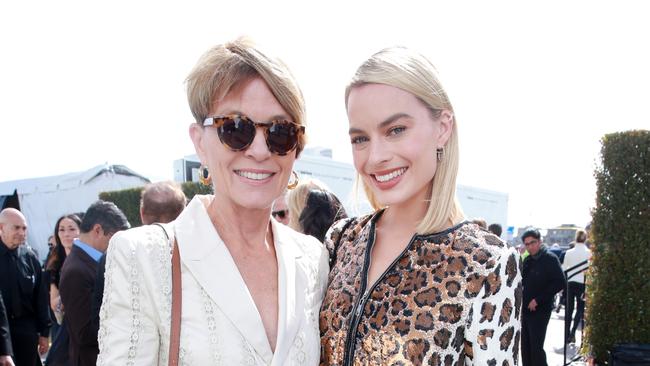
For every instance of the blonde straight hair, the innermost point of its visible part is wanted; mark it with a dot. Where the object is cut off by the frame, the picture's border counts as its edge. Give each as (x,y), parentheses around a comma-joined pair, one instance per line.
(402,68)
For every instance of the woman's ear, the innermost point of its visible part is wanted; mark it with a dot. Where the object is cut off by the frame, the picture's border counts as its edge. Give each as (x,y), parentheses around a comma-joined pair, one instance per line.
(445,127)
(196,134)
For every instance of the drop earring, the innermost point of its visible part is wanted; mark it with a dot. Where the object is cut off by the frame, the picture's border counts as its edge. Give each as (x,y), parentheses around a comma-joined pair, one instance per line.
(204,176)
(293,184)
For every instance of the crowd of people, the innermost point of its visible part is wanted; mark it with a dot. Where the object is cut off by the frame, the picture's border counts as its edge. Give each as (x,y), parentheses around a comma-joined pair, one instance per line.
(270,270)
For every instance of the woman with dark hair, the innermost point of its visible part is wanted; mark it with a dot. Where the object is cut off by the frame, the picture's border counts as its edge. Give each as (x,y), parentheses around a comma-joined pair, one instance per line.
(66,230)
(315,209)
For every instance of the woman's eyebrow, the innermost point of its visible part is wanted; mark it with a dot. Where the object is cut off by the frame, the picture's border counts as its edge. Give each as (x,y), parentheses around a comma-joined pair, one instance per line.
(384,123)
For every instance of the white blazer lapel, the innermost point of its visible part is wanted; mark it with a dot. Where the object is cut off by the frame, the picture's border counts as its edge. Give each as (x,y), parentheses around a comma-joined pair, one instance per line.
(205,255)
(291,291)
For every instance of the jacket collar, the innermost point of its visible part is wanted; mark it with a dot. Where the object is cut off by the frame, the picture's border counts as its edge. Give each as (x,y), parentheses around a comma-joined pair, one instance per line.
(208,260)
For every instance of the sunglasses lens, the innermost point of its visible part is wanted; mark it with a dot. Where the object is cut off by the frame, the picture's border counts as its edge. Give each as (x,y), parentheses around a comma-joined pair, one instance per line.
(280,214)
(237,133)
(282,137)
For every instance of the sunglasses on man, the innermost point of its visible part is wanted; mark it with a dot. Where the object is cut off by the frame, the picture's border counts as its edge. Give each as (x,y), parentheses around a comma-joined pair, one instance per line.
(237,132)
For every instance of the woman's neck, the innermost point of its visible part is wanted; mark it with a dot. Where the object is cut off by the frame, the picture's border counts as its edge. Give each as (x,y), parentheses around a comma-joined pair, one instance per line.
(239,225)
(404,217)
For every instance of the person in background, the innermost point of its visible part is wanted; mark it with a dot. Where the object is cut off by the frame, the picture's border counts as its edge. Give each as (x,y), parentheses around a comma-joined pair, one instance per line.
(315,208)
(413,283)
(480,222)
(66,230)
(101,221)
(542,279)
(576,286)
(495,229)
(23,290)
(280,210)
(5,337)
(161,202)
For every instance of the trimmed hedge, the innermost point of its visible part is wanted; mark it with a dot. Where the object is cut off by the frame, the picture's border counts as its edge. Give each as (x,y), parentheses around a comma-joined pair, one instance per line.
(128,200)
(618,294)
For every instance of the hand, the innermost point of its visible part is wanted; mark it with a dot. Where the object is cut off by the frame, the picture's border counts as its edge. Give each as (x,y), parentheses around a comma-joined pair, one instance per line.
(43,345)
(6,361)
(532,306)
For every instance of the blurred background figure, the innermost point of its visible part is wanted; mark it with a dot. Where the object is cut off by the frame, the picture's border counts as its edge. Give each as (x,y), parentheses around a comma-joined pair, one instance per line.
(280,211)
(481,223)
(495,229)
(576,286)
(66,230)
(5,338)
(313,209)
(161,202)
(23,291)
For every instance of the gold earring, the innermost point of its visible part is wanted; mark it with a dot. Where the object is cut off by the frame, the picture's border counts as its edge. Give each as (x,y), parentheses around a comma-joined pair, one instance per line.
(439,153)
(204,176)
(293,184)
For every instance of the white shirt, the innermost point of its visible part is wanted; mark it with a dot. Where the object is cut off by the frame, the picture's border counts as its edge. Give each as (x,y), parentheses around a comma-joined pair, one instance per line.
(573,257)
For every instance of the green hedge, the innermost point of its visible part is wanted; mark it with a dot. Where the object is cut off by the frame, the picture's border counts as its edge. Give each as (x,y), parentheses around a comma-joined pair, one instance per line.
(618,291)
(128,200)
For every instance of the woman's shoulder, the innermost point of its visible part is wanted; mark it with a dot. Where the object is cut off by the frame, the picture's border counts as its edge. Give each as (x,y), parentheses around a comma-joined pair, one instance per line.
(482,246)
(147,237)
(347,225)
(304,244)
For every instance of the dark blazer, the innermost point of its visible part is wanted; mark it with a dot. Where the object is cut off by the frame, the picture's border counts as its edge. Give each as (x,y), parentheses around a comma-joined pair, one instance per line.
(5,336)
(76,288)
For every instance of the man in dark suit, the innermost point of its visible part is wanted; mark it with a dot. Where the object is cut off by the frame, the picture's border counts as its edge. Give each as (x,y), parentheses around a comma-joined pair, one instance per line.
(542,278)
(5,338)
(78,275)
(23,290)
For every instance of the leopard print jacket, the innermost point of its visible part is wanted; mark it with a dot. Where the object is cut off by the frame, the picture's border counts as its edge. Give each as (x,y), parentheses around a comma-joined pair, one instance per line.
(450,298)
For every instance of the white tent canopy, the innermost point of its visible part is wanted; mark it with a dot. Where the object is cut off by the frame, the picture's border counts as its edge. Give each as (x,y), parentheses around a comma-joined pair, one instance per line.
(44,200)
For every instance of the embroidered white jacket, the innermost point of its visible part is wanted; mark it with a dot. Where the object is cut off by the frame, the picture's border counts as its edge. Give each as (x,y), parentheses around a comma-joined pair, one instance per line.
(220,324)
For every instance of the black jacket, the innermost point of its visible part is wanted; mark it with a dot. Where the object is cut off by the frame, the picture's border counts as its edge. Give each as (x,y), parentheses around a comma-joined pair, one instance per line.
(5,336)
(23,289)
(77,283)
(542,278)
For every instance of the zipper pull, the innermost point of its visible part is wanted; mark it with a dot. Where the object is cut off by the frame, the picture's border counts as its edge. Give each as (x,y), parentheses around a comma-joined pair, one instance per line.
(361,303)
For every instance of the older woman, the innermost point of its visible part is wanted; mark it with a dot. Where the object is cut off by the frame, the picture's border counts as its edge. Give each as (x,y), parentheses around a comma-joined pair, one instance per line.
(413,283)
(251,287)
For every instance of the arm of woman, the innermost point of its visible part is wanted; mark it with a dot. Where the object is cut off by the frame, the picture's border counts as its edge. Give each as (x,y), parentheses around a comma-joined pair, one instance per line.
(128,332)
(494,329)
(55,298)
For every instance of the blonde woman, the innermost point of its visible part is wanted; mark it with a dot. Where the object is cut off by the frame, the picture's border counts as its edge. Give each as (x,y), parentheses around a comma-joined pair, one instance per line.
(251,287)
(413,283)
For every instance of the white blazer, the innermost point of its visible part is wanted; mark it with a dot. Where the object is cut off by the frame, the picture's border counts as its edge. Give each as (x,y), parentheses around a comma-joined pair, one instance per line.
(220,324)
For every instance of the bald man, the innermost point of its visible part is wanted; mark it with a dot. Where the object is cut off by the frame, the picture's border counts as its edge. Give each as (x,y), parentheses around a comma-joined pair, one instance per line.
(23,291)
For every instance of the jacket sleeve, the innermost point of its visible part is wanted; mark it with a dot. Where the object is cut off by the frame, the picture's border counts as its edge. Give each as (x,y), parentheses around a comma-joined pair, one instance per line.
(41,299)
(494,327)
(98,292)
(5,336)
(556,280)
(128,332)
